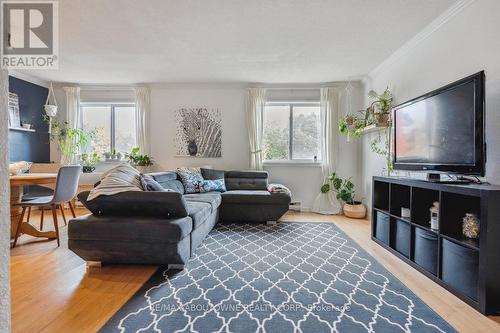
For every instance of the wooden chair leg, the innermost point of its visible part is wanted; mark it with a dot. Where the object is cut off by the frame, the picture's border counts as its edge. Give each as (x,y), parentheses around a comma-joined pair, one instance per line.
(29,214)
(61,208)
(56,226)
(41,217)
(72,209)
(18,228)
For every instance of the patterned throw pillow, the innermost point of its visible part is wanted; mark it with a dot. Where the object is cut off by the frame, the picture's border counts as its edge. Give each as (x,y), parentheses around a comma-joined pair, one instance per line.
(217,185)
(191,179)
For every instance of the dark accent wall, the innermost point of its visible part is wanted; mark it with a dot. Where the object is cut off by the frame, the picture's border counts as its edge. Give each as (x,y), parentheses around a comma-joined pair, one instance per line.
(29,146)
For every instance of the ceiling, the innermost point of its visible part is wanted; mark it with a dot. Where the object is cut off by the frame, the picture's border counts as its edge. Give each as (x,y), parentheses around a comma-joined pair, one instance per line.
(280,41)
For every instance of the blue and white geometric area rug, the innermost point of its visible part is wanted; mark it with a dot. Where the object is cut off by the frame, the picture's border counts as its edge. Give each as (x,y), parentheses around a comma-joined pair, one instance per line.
(289,277)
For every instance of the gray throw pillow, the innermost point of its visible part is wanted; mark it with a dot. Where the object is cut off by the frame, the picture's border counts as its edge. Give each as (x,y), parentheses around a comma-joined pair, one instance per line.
(149,184)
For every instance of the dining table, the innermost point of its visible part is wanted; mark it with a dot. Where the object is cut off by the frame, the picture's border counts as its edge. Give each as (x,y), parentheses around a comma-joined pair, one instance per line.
(17,183)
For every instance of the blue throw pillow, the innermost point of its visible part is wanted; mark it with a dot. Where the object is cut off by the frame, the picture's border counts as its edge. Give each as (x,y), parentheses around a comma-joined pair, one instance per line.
(209,185)
(191,179)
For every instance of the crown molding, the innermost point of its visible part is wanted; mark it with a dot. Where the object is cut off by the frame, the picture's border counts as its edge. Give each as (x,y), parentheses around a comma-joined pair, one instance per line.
(28,78)
(427,31)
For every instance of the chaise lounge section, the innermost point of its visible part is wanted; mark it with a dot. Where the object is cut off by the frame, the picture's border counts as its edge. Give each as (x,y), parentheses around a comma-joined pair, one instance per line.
(167,227)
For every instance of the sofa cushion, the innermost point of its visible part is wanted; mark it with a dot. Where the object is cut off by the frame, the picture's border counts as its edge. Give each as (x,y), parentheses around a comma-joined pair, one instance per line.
(168,180)
(212,198)
(144,204)
(254,197)
(199,212)
(132,229)
(246,180)
(212,174)
(191,179)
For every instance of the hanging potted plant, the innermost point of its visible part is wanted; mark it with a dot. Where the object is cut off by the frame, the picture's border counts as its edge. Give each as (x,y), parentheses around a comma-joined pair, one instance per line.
(344,190)
(381,107)
(352,125)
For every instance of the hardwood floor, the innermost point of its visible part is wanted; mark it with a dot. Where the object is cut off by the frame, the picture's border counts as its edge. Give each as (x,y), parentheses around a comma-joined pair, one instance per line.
(53,292)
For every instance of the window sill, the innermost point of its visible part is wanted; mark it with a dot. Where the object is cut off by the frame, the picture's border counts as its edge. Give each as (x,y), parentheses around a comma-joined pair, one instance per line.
(292,163)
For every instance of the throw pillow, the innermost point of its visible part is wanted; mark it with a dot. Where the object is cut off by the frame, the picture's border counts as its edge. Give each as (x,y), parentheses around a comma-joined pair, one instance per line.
(149,184)
(122,178)
(212,174)
(209,185)
(191,179)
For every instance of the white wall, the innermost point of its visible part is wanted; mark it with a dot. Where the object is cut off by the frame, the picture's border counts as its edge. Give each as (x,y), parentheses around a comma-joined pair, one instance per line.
(4,208)
(304,181)
(463,44)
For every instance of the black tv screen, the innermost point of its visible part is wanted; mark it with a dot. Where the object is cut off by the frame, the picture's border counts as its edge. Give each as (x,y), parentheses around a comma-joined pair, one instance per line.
(442,130)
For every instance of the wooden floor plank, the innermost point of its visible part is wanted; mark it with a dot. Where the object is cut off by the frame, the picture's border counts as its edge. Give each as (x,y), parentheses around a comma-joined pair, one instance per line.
(53,292)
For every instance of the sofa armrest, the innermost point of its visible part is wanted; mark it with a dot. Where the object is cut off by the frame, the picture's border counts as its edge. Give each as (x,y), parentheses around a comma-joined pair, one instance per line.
(136,203)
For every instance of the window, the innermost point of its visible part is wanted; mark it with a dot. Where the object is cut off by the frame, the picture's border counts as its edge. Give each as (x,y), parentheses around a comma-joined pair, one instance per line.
(292,132)
(114,125)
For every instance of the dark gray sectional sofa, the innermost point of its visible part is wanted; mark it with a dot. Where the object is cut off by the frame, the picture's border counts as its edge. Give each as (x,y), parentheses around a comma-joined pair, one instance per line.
(167,227)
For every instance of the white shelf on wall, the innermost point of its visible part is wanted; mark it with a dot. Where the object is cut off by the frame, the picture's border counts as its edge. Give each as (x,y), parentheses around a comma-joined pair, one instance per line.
(21,129)
(374,128)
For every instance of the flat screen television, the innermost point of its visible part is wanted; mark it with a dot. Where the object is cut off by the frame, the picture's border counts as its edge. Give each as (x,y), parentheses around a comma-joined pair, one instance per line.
(443,130)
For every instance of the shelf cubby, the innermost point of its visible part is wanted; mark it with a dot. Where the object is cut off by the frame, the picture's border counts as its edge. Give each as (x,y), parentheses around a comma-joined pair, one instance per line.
(401,236)
(459,268)
(381,195)
(422,200)
(400,198)
(425,249)
(453,208)
(468,268)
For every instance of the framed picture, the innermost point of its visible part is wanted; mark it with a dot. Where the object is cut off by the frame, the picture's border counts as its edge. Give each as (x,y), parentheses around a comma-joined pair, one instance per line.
(14,118)
(199,132)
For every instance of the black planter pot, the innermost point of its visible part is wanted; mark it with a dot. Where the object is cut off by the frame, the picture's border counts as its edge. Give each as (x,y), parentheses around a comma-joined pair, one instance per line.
(88,169)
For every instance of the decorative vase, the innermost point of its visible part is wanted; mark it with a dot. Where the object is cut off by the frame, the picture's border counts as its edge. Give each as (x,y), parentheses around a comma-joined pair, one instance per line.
(355,211)
(470,226)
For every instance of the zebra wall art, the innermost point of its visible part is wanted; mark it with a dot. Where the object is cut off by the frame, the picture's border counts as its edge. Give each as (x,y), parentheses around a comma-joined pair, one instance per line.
(199,132)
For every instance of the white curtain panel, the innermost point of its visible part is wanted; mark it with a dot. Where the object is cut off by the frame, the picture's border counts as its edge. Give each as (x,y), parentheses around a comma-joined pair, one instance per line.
(72,117)
(327,203)
(143,106)
(256,101)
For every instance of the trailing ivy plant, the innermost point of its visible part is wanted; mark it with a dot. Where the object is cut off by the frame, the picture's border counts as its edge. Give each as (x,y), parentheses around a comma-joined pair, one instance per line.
(343,188)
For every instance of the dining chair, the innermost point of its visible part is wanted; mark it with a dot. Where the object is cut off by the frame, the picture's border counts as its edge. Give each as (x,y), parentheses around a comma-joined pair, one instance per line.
(66,189)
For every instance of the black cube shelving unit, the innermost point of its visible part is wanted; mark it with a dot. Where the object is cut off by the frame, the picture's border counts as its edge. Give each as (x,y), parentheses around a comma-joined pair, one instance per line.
(469,268)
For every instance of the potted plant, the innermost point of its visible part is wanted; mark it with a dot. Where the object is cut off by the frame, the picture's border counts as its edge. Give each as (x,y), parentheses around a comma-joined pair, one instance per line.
(344,189)
(381,106)
(140,162)
(89,161)
(70,140)
(352,125)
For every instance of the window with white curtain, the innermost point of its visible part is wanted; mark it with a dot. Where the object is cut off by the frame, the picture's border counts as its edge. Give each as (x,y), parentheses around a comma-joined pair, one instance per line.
(114,126)
(292,132)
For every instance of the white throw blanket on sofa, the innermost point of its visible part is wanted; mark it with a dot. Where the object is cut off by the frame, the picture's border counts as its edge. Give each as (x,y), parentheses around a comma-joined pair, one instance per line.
(279,188)
(122,178)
